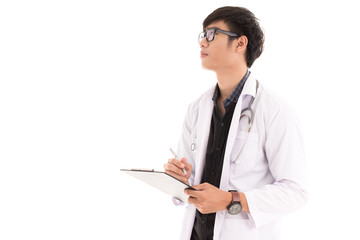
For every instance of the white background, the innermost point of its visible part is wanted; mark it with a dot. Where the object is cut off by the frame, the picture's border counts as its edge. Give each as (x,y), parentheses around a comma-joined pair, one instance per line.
(89,87)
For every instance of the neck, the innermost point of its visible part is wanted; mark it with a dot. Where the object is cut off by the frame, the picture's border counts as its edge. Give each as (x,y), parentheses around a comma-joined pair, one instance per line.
(228,80)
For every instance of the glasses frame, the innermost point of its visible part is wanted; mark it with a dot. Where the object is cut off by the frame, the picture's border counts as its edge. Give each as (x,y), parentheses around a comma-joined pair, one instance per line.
(203,34)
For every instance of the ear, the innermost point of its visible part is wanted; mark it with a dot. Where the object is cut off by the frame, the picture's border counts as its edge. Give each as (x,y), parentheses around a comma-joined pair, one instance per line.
(242,43)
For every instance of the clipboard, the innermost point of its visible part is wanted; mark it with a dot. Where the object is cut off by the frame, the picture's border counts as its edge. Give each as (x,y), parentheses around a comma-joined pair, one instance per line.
(162,181)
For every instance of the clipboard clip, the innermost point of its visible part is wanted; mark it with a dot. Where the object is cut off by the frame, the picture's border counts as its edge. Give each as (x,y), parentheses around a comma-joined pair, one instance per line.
(142,170)
(139,170)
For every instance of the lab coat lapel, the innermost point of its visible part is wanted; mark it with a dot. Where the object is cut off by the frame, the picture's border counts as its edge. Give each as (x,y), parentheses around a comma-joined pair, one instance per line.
(206,106)
(224,183)
(249,89)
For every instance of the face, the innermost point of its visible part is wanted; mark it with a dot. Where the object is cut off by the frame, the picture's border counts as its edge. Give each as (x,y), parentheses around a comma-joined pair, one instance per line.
(219,55)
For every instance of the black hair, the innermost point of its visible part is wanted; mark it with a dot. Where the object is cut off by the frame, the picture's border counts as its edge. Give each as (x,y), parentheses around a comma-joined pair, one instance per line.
(242,22)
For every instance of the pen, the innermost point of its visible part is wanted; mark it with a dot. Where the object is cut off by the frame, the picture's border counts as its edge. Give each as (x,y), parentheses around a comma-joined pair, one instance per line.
(177,158)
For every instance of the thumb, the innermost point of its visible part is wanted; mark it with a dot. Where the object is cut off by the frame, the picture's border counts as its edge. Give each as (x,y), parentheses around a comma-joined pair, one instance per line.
(187,165)
(183,160)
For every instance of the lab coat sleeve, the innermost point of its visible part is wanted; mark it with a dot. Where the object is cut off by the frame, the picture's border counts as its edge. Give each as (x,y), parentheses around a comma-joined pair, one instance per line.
(285,154)
(184,146)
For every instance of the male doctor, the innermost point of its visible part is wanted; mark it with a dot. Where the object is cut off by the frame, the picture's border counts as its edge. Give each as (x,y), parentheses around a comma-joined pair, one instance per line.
(241,145)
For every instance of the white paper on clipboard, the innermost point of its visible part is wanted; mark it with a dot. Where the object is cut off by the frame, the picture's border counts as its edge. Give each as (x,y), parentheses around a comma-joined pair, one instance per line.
(162,181)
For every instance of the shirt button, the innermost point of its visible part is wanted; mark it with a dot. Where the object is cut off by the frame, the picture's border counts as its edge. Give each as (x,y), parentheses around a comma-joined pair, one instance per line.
(203,220)
(217,149)
(222,124)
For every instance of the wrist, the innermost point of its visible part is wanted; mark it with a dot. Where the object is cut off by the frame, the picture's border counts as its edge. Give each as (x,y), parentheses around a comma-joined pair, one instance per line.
(238,203)
(228,199)
(244,203)
(234,207)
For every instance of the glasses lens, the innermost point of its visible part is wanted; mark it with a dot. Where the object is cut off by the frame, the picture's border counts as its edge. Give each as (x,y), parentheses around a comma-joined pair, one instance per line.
(210,35)
(201,36)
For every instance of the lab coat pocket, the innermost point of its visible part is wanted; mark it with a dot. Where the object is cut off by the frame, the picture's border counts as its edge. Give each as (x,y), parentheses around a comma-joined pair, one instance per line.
(245,152)
(238,227)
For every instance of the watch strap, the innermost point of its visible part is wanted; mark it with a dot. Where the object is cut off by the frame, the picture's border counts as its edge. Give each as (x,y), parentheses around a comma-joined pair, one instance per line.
(235,196)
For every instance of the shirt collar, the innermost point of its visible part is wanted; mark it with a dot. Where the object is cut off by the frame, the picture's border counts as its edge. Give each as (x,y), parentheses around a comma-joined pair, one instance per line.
(234,96)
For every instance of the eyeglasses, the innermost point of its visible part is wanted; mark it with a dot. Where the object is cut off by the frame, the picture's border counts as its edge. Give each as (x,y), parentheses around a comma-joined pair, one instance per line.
(210,34)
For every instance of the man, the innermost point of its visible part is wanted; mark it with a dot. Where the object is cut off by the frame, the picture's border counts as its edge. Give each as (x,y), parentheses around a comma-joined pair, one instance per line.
(241,146)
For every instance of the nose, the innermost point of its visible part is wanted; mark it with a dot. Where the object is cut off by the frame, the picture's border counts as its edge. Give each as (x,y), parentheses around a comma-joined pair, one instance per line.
(203,43)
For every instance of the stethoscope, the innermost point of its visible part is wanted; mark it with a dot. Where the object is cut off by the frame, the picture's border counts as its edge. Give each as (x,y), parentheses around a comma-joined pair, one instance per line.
(249,108)
(242,114)
(250,120)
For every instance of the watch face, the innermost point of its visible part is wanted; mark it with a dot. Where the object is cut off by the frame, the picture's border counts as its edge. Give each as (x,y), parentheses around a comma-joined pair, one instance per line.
(235,209)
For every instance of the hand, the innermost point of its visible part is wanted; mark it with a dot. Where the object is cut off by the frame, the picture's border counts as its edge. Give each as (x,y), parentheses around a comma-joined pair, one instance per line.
(208,198)
(174,168)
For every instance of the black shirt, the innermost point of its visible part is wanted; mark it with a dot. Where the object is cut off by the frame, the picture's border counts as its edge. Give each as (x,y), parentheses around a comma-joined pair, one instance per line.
(219,129)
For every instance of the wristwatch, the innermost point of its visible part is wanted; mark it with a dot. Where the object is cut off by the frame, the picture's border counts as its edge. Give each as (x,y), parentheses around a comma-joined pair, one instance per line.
(235,205)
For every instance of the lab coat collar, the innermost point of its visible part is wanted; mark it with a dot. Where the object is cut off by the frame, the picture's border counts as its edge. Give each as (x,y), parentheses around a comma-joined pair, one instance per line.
(250,86)
(234,96)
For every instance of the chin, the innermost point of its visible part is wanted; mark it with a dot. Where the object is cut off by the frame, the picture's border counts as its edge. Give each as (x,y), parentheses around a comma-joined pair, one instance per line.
(207,67)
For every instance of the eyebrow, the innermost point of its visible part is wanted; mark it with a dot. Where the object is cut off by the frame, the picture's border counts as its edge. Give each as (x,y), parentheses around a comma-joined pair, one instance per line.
(211,28)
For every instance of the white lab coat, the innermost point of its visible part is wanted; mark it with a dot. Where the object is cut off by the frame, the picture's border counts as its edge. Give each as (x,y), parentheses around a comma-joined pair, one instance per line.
(270,170)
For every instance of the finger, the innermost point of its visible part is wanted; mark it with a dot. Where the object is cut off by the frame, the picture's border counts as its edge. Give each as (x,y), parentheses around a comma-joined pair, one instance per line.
(192,193)
(202,186)
(197,204)
(176,174)
(172,168)
(199,187)
(176,162)
(194,201)
(183,160)
(181,178)
(173,174)
(188,166)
